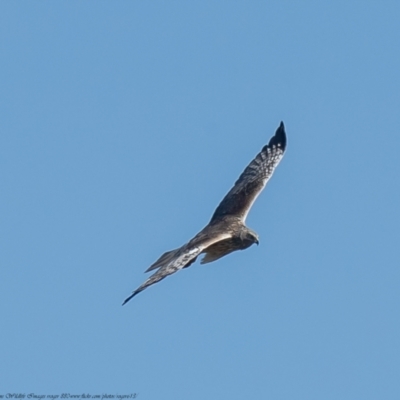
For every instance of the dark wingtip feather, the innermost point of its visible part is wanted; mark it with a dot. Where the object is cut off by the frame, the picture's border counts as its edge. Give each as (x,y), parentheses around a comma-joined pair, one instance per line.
(128,298)
(279,139)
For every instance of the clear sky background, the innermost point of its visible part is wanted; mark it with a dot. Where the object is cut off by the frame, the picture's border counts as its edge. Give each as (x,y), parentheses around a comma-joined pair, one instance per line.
(124,123)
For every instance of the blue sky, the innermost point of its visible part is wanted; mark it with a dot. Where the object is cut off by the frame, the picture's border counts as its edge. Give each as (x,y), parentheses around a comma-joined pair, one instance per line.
(123,124)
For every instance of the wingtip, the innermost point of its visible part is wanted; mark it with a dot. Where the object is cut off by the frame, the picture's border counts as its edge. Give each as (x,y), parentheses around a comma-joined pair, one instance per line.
(125,301)
(130,297)
(280,137)
(281,130)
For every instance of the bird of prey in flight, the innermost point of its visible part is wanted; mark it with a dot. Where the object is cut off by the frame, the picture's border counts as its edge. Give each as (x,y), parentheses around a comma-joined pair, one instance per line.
(226,232)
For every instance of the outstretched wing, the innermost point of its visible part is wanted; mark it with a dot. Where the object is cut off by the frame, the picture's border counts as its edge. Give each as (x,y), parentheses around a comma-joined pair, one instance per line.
(183,257)
(165,258)
(252,181)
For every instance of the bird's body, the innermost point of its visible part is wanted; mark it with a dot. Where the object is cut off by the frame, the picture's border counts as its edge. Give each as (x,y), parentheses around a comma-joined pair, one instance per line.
(226,232)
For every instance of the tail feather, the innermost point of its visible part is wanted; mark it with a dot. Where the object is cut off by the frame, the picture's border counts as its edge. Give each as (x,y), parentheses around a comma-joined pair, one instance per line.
(210,257)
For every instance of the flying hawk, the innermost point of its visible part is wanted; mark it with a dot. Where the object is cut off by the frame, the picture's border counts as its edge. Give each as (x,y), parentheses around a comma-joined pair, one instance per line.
(226,232)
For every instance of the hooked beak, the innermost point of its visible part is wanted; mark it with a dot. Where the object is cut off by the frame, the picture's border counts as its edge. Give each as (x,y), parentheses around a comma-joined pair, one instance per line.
(257,242)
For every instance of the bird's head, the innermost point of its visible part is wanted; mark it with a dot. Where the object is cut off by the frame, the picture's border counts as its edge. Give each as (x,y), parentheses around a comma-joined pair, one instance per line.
(249,237)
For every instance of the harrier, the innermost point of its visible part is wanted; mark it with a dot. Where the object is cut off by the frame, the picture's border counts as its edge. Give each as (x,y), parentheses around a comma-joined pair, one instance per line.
(226,232)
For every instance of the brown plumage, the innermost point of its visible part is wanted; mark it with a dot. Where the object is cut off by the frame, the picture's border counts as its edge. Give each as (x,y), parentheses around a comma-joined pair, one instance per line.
(226,232)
